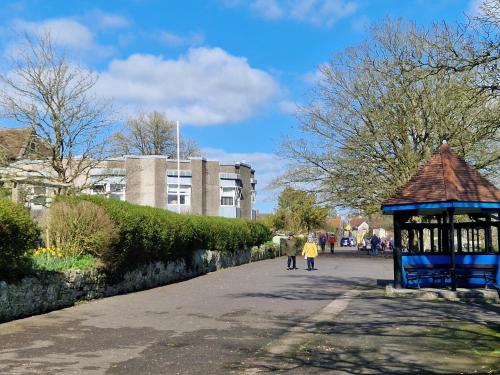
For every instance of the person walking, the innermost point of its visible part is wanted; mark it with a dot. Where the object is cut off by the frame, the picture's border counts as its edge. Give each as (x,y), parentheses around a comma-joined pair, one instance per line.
(291,247)
(331,240)
(322,241)
(310,252)
(375,242)
(383,245)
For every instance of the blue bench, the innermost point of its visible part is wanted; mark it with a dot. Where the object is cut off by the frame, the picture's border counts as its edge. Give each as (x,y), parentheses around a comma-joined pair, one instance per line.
(419,272)
(486,272)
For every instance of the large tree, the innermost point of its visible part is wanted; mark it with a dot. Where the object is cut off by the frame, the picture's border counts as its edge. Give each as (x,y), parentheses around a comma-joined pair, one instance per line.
(377,113)
(53,95)
(472,46)
(298,211)
(152,134)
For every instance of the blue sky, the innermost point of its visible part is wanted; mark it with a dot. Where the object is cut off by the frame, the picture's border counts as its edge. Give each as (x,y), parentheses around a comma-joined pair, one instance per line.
(231,71)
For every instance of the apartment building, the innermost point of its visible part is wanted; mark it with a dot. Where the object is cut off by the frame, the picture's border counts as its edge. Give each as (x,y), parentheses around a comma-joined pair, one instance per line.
(206,187)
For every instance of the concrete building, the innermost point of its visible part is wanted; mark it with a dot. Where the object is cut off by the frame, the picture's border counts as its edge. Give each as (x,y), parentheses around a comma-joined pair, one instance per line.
(207,187)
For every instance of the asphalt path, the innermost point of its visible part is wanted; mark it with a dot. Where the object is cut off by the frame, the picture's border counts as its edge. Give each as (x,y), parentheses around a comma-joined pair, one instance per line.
(212,324)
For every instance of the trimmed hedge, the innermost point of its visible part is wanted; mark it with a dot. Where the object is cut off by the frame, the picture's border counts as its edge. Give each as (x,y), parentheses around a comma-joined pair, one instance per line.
(18,234)
(147,234)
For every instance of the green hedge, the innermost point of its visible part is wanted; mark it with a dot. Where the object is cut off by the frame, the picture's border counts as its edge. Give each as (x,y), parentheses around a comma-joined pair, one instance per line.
(146,234)
(18,234)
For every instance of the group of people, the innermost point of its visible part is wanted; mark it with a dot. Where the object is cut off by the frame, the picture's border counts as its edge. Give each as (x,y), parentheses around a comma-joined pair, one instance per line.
(323,239)
(377,243)
(309,252)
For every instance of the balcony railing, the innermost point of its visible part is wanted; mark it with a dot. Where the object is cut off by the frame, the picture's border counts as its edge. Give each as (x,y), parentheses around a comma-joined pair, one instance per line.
(229,176)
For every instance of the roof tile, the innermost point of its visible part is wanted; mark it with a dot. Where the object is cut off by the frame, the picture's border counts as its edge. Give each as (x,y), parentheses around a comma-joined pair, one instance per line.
(446,177)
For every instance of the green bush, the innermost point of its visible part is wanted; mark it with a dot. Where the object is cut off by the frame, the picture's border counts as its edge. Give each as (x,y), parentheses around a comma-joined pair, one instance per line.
(18,234)
(146,234)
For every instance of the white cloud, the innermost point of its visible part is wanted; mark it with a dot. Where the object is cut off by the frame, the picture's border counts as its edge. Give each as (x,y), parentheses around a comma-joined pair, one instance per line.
(288,107)
(267,167)
(176,40)
(204,87)
(269,9)
(110,20)
(317,12)
(65,32)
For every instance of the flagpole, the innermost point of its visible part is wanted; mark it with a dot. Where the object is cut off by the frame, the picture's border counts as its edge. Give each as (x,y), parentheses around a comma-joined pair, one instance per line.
(178,171)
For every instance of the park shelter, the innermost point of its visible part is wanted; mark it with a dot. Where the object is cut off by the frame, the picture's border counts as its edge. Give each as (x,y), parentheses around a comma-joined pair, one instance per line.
(446,216)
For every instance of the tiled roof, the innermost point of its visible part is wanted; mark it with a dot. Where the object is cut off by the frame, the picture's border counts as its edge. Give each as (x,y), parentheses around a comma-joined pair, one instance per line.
(446,177)
(13,142)
(357,221)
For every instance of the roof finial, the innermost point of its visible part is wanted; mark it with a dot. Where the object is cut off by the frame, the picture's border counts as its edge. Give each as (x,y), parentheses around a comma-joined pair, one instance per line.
(444,141)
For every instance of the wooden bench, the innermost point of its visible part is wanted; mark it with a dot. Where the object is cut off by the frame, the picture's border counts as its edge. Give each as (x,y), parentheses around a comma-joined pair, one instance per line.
(487,272)
(418,272)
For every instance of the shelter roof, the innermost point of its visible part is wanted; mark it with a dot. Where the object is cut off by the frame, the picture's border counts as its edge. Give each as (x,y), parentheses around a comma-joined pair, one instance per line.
(445,178)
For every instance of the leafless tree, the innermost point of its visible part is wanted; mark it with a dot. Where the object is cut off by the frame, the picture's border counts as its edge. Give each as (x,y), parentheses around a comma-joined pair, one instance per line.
(54,96)
(152,134)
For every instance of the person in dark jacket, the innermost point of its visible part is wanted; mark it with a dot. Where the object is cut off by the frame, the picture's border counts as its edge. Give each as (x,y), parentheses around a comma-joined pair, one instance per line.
(291,249)
(375,242)
(322,241)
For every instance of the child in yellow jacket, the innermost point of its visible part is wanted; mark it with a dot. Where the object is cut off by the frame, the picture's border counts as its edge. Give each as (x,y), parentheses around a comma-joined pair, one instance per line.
(310,251)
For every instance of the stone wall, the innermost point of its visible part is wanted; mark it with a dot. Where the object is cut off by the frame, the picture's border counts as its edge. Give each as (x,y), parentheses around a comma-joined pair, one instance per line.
(46,291)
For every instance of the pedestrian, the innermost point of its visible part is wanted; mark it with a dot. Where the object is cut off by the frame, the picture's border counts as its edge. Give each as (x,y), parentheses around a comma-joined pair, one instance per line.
(383,245)
(375,242)
(291,247)
(331,240)
(322,241)
(310,252)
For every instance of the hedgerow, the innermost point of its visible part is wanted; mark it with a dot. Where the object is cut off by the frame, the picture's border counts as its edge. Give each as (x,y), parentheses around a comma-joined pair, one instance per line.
(146,234)
(18,234)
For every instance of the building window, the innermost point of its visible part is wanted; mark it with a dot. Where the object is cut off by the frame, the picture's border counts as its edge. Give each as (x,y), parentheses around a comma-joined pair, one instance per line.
(226,201)
(116,188)
(230,196)
(184,196)
(99,189)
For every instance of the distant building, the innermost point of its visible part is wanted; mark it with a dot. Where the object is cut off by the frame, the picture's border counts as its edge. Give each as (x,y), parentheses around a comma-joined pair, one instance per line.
(207,187)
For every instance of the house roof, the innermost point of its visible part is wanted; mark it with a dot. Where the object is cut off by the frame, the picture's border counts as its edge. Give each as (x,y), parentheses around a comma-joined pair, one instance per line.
(357,221)
(445,178)
(13,142)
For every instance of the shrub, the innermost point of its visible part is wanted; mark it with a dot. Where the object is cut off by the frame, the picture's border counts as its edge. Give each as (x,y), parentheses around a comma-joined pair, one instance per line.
(146,234)
(18,234)
(78,228)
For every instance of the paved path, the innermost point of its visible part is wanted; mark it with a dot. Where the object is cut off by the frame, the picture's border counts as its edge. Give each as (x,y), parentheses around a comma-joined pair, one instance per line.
(256,317)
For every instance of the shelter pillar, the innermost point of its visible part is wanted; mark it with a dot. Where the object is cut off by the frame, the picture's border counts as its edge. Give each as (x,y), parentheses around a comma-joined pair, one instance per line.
(487,235)
(396,253)
(451,242)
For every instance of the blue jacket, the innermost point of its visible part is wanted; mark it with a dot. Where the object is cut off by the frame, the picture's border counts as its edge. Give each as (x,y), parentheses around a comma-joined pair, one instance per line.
(375,241)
